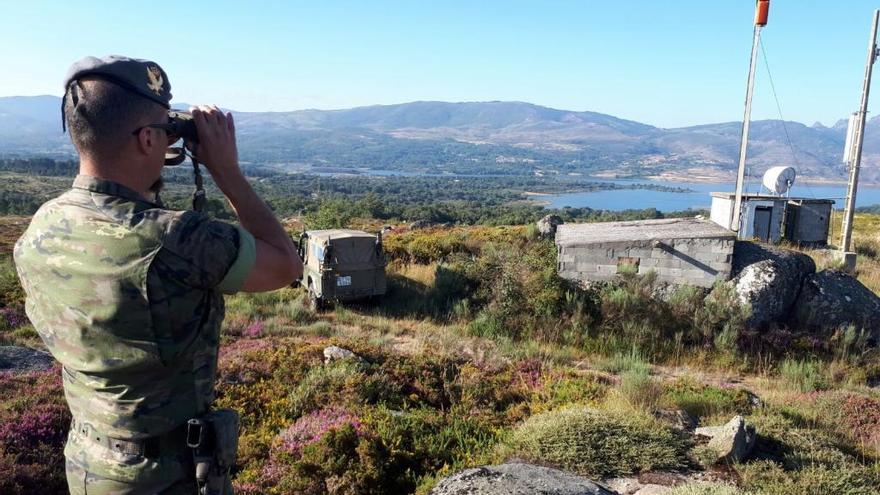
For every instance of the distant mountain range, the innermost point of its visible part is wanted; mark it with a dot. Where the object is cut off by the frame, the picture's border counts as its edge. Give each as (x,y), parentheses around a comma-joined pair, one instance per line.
(487,138)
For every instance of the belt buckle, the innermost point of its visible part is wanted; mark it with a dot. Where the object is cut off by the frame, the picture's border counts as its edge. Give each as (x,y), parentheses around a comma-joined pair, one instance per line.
(117,445)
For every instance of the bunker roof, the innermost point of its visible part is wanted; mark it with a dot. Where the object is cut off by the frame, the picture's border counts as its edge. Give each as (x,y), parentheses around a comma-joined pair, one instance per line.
(642,230)
(339,234)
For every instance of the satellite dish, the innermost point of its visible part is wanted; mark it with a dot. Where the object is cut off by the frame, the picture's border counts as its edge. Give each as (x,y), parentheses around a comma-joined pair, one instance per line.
(779,179)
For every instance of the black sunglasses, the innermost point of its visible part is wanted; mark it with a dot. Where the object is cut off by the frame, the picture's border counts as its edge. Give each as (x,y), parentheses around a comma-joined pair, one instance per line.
(168,128)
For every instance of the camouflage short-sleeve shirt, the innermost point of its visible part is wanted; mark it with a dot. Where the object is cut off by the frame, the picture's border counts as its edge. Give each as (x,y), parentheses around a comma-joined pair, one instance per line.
(127,296)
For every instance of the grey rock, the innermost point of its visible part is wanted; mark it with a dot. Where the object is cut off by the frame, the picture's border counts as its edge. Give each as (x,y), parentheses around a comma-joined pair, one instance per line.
(754,400)
(516,478)
(830,300)
(547,225)
(746,253)
(335,353)
(730,442)
(665,292)
(23,359)
(679,419)
(653,490)
(420,224)
(769,280)
(623,486)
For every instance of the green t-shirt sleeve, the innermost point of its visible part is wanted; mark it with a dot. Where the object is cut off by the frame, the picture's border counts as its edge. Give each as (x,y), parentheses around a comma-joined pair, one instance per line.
(238,272)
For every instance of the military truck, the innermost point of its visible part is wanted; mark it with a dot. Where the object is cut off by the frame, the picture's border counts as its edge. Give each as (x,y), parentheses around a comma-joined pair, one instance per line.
(341,265)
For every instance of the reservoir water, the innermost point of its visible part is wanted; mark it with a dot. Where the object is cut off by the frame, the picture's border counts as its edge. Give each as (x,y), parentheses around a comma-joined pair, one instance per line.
(698,198)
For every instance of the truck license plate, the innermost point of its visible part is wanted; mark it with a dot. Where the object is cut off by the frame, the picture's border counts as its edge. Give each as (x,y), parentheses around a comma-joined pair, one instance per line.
(343,281)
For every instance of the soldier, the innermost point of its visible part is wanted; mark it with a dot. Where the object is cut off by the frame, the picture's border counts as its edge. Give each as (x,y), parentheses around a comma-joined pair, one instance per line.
(128,295)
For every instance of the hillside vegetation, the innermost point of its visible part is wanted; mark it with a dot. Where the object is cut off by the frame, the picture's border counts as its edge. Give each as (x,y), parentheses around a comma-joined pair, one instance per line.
(480,353)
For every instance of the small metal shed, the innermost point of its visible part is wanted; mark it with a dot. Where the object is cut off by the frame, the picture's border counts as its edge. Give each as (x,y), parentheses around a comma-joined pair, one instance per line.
(762,215)
(771,218)
(807,221)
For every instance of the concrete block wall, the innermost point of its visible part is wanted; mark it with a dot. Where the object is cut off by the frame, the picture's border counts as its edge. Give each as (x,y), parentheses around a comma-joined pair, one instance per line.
(700,262)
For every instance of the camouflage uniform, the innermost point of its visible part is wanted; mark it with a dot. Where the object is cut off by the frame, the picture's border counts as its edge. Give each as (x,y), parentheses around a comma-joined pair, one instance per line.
(128,297)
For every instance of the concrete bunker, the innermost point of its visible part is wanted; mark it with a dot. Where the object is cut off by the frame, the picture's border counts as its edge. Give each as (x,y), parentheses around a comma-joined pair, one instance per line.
(680,250)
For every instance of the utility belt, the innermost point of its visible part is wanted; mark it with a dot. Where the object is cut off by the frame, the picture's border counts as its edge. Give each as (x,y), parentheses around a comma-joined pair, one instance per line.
(171,441)
(212,439)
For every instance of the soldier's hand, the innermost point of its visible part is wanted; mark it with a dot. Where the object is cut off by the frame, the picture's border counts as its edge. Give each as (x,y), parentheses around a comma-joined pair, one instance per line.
(216,148)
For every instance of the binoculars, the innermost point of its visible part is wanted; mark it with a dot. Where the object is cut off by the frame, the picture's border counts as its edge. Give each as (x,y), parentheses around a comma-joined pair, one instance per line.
(180,126)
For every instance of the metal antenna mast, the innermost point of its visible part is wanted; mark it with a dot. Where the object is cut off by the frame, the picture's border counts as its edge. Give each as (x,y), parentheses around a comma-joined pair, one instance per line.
(762,8)
(855,153)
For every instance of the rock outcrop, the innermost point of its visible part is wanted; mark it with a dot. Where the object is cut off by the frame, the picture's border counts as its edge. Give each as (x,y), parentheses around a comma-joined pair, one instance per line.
(769,280)
(547,225)
(23,359)
(679,419)
(830,299)
(730,442)
(516,478)
(336,353)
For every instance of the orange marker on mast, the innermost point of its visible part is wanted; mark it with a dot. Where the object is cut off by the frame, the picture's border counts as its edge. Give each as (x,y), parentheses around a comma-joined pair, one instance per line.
(762,9)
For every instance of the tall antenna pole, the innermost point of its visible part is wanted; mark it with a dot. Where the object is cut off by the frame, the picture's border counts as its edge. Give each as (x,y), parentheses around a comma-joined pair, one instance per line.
(762,8)
(861,117)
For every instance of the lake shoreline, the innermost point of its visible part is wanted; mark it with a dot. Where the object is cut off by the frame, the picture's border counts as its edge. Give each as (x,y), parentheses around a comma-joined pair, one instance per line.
(632,194)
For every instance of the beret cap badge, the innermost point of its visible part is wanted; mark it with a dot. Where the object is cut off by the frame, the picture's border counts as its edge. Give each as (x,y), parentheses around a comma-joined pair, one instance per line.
(156,81)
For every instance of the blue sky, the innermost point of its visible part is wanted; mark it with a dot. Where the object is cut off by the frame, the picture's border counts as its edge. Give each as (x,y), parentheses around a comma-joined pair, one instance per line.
(665,63)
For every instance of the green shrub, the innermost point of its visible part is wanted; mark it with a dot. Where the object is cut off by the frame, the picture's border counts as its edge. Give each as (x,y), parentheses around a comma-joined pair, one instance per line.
(849,343)
(633,360)
(11,293)
(705,400)
(632,316)
(331,214)
(488,325)
(593,443)
(721,318)
(379,451)
(771,478)
(627,269)
(323,383)
(296,310)
(565,391)
(853,415)
(803,376)
(433,442)
(319,328)
(685,300)
(797,456)
(640,389)
(461,309)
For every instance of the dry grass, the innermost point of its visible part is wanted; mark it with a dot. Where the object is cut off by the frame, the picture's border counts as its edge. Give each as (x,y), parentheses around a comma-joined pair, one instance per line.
(866,242)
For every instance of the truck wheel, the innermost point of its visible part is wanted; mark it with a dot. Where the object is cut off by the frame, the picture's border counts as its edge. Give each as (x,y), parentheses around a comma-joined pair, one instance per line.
(315,302)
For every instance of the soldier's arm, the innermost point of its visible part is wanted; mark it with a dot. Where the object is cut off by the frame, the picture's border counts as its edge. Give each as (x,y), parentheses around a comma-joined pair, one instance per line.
(277,262)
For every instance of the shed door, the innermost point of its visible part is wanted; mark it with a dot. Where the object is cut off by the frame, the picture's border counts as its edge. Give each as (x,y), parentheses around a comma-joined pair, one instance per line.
(762,222)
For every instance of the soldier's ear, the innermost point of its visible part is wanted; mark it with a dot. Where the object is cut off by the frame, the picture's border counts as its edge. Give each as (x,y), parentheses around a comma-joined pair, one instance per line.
(147,140)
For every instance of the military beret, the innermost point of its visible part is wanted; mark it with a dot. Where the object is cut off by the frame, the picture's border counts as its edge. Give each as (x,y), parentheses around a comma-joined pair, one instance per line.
(143,77)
